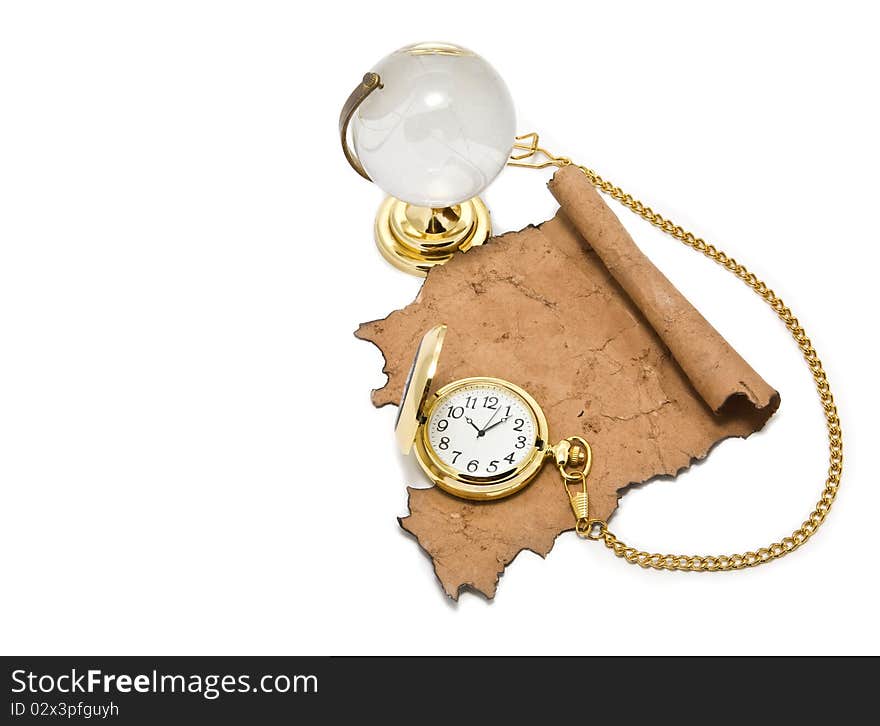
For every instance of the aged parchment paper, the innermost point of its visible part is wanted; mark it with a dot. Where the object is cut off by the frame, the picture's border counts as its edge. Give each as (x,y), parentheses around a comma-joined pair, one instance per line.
(576,314)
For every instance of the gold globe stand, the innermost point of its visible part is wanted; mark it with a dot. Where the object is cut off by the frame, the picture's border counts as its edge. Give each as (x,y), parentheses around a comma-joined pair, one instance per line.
(413,238)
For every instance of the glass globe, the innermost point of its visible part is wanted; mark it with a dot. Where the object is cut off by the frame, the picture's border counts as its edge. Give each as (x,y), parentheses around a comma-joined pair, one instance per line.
(439,130)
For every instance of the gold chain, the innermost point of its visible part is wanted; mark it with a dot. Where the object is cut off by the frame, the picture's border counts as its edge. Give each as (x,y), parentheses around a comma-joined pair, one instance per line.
(598,529)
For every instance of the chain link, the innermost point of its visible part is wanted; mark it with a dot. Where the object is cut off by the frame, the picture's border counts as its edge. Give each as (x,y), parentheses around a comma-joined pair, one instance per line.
(598,529)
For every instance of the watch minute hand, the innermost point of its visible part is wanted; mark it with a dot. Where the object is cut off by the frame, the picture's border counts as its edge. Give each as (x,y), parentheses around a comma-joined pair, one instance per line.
(497,423)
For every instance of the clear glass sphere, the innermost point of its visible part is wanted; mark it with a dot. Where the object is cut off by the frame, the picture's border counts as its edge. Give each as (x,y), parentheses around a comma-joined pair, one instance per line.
(439,130)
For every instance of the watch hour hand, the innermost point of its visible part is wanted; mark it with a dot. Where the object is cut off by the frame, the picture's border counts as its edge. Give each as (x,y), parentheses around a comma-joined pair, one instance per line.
(479,432)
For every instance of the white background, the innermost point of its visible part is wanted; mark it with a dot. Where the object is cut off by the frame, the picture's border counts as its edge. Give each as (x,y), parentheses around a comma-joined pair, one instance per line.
(189,462)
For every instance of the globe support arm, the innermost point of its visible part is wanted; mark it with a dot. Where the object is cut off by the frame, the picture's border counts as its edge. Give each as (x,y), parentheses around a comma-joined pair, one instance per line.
(370,83)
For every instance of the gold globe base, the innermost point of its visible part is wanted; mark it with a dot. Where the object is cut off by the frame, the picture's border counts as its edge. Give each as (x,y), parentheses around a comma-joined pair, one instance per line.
(414,239)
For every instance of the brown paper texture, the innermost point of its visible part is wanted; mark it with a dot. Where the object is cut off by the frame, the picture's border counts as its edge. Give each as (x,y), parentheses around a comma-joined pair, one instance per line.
(573,312)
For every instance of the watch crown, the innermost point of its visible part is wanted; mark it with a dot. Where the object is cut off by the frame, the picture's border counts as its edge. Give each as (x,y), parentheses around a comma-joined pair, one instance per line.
(576,455)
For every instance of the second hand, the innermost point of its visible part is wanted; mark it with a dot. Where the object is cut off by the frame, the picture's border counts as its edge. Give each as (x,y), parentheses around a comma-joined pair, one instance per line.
(489,422)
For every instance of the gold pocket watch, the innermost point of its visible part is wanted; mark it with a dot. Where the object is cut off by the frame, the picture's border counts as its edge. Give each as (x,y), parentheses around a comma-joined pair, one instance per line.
(482,437)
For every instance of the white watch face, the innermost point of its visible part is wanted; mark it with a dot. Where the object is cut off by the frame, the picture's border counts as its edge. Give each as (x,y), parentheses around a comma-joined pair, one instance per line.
(482,430)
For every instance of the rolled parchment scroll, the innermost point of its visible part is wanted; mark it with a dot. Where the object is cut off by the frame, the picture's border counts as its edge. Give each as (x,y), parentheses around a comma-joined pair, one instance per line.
(573,312)
(714,368)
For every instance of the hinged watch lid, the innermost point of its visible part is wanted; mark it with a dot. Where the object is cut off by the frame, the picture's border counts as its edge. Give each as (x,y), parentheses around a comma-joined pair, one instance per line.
(415,390)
